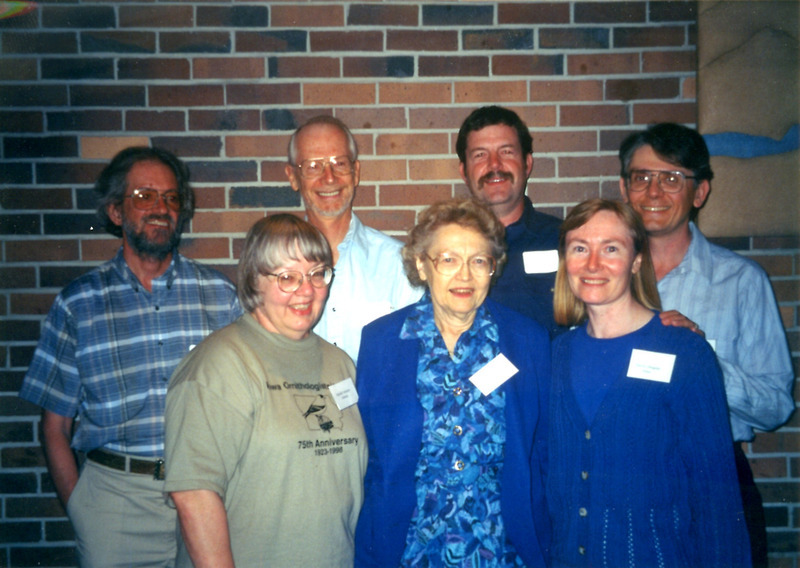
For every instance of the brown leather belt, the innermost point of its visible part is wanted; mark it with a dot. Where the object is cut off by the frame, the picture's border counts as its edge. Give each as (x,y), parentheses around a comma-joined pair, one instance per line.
(128,464)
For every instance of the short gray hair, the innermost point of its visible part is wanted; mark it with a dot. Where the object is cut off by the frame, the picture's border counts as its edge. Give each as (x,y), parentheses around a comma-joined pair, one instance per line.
(352,147)
(270,243)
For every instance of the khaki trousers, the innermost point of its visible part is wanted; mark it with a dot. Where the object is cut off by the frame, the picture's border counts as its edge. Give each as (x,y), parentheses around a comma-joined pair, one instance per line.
(121,520)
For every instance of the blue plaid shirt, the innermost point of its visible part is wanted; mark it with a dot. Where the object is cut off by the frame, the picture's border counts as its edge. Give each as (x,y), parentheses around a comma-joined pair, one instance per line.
(108,348)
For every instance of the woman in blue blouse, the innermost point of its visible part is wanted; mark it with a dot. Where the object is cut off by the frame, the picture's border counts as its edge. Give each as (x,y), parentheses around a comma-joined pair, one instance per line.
(452,397)
(641,470)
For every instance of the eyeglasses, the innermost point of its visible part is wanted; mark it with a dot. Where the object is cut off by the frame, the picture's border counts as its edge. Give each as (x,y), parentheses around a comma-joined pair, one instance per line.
(448,264)
(144,199)
(290,280)
(670,182)
(315,167)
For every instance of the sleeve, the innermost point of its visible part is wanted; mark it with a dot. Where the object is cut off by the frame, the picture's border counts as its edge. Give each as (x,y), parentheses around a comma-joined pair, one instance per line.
(207,429)
(756,366)
(706,450)
(53,380)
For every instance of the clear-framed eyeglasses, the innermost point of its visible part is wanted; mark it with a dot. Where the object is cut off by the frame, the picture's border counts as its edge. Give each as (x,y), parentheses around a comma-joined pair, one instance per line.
(447,264)
(144,198)
(670,182)
(315,167)
(290,280)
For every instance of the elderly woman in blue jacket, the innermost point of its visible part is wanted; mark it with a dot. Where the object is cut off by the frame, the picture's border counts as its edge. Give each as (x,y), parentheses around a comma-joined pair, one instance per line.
(452,393)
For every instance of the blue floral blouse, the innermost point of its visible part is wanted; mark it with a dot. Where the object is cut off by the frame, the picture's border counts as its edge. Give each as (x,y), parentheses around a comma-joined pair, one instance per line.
(457,520)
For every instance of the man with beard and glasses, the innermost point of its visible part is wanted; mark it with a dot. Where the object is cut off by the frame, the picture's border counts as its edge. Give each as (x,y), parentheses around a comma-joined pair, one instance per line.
(495,151)
(369,280)
(106,352)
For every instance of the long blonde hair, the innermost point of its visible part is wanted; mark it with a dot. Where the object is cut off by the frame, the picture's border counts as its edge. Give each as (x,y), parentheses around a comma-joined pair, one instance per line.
(568,309)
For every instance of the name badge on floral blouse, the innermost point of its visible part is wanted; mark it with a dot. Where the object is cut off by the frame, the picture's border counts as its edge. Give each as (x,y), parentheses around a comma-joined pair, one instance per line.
(493,374)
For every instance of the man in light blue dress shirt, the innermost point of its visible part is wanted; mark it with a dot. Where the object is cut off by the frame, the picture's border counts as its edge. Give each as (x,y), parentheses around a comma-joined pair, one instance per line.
(369,280)
(666,176)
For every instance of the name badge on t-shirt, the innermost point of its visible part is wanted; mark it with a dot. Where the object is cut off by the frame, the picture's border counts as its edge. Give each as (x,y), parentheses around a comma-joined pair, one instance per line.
(540,261)
(493,374)
(344,393)
(651,365)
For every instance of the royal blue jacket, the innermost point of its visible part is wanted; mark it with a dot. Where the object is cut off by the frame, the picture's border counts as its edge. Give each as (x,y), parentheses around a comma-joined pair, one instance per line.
(393,418)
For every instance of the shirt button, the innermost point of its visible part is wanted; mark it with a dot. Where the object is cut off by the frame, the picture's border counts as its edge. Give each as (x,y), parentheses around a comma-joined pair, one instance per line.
(458,430)
(588,435)
(333,309)
(457,391)
(581,550)
(584,475)
(459,465)
(157,308)
(583,512)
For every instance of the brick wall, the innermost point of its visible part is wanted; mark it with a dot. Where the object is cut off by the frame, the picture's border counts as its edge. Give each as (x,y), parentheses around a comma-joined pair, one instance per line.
(223,83)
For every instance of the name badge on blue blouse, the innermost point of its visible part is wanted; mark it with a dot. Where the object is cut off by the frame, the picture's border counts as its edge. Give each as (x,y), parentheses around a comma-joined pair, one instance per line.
(344,393)
(540,261)
(493,374)
(651,365)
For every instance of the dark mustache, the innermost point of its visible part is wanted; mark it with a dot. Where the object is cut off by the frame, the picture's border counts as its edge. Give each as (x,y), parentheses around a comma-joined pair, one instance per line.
(491,175)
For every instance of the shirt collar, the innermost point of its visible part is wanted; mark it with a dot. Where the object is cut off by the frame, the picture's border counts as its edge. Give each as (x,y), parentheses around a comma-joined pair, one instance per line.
(128,276)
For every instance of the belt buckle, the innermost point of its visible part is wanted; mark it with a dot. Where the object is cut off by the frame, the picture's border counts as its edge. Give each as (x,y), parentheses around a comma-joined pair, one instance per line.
(159,470)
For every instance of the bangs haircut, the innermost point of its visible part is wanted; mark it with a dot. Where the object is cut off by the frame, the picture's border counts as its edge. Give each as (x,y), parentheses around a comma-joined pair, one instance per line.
(568,309)
(464,213)
(270,244)
(674,143)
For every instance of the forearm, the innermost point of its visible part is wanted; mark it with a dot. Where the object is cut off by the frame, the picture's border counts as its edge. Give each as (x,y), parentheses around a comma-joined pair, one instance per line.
(204,526)
(56,435)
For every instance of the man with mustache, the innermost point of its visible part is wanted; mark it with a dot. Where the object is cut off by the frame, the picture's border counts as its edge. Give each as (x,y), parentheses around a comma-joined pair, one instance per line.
(495,151)
(107,349)
(369,280)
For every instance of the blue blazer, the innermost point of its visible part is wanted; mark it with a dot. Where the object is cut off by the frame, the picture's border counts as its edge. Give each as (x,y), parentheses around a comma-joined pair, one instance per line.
(393,416)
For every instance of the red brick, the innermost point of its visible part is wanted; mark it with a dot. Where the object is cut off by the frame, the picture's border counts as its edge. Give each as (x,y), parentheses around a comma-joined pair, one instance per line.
(99,249)
(447,117)
(155,121)
(339,94)
(609,12)
(533,13)
(225,222)
(142,16)
(388,219)
(414,144)
(500,92)
(566,90)
(587,166)
(300,16)
(564,192)
(258,146)
(409,92)
(262,94)
(194,42)
(650,36)
(382,117)
(366,196)
(574,38)
(768,467)
(186,95)
(273,171)
(776,242)
(228,68)
(689,88)
(682,112)
(776,442)
(39,42)
(543,168)
(526,65)
(564,142)
(287,66)
(106,147)
(383,170)
(209,198)
(421,41)
(190,146)
(637,89)
(346,41)
(584,115)
(602,63)
(429,170)
(36,199)
(775,264)
(31,304)
(147,69)
(116,41)
(217,247)
(225,119)
(453,66)
(669,61)
(414,195)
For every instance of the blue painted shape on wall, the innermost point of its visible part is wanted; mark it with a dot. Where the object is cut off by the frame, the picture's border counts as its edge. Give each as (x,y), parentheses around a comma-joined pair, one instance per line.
(738,145)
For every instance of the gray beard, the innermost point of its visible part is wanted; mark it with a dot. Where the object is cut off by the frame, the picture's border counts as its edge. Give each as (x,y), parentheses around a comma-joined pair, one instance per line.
(147,248)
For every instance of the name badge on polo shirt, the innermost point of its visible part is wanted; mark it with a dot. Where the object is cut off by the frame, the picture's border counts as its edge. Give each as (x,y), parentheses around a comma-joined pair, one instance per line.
(493,374)
(651,365)
(344,393)
(540,261)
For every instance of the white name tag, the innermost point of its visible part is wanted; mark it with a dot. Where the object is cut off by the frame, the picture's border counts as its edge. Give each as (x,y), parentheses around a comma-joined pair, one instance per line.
(344,393)
(493,374)
(651,365)
(540,261)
